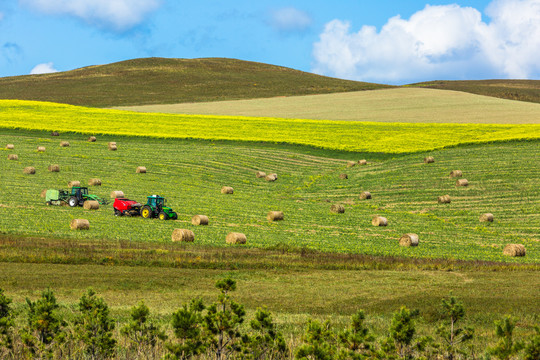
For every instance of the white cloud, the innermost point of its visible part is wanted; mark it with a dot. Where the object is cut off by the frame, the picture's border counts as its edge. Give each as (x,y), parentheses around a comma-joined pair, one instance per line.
(45,68)
(437,42)
(290,19)
(119,15)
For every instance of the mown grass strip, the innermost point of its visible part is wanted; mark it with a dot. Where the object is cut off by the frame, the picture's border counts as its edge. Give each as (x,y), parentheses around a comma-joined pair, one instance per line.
(336,135)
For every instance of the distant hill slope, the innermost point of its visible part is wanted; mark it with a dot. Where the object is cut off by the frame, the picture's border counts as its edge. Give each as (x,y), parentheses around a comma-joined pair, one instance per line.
(523,90)
(166,81)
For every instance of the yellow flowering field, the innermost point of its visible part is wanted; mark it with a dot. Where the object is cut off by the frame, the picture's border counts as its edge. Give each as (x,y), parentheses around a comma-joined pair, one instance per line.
(336,135)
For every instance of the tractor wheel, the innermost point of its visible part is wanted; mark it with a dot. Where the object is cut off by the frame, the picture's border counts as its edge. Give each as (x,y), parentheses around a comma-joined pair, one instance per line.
(174,217)
(117,212)
(147,212)
(163,216)
(73,201)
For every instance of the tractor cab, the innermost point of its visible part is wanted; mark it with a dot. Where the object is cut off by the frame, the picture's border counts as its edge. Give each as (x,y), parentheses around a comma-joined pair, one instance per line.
(156,201)
(79,192)
(156,207)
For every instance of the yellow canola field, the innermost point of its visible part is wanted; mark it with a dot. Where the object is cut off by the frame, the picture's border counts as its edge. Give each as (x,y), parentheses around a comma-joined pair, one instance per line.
(337,135)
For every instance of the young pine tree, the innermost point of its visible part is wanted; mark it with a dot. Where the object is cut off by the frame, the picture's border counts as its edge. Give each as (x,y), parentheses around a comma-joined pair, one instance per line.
(506,348)
(143,335)
(402,331)
(94,326)
(532,349)
(188,328)
(6,326)
(356,341)
(265,342)
(319,342)
(453,335)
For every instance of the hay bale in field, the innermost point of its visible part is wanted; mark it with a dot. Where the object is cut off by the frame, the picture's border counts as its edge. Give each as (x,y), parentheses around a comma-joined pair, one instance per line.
(236,238)
(13,157)
(74,183)
(351,163)
(365,195)
(271,177)
(487,217)
(456,173)
(10,146)
(275,216)
(227,190)
(514,250)
(183,235)
(379,221)
(29,170)
(43,193)
(94,182)
(112,146)
(260,174)
(92,139)
(429,160)
(141,170)
(54,168)
(362,162)
(408,240)
(337,208)
(199,220)
(80,224)
(64,143)
(41,148)
(117,194)
(462,182)
(444,199)
(91,205)
(55,133)
(343,176)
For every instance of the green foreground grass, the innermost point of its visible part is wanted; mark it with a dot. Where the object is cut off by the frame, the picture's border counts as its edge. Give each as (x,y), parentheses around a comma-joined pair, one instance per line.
(414,105)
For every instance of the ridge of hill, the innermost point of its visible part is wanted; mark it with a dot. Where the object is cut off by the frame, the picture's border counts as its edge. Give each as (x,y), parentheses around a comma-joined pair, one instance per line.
(166,81)
(522,90)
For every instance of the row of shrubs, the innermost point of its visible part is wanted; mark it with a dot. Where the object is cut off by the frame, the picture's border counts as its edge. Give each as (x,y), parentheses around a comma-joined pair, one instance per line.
(217,331)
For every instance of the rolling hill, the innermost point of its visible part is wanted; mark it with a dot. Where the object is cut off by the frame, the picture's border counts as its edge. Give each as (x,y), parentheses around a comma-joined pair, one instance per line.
(167,81)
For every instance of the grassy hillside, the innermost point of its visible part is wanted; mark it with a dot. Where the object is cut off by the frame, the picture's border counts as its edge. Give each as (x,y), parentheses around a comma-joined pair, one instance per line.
(166,81)
(190,175)
(389,105)
(523,90)
(373,137)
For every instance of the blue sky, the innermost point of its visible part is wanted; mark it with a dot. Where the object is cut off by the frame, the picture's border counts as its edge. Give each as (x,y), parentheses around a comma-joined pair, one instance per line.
(384,41)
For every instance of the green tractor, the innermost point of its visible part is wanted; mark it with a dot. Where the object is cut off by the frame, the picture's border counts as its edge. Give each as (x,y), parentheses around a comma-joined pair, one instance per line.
(76,197)
(155,207)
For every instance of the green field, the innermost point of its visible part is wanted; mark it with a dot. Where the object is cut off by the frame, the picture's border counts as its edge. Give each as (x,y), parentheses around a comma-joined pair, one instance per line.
(402,105)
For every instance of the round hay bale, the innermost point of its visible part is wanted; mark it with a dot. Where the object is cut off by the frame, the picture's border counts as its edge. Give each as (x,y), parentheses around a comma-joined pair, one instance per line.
(64,144)
(351,163)
(408,240)
(260,174)
(141,170)
(199,220)
(94,182)
(343,176)
(445,199)
(236,238)
(13,157)
(362,162)
(41,148)
(462,182)
(365,195)
(117,194)
(112,146)
(183,235)
(55,133)
(271,177)
(29,170)
(74,183)
(92,139)
(488,217)
(80,224)
(456,173)
(514,250)
(275,216)
(10,146)
(43,193)
(54,168)
(379,221)
(227,190)
(91,205)
(429,160)
(337,208)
